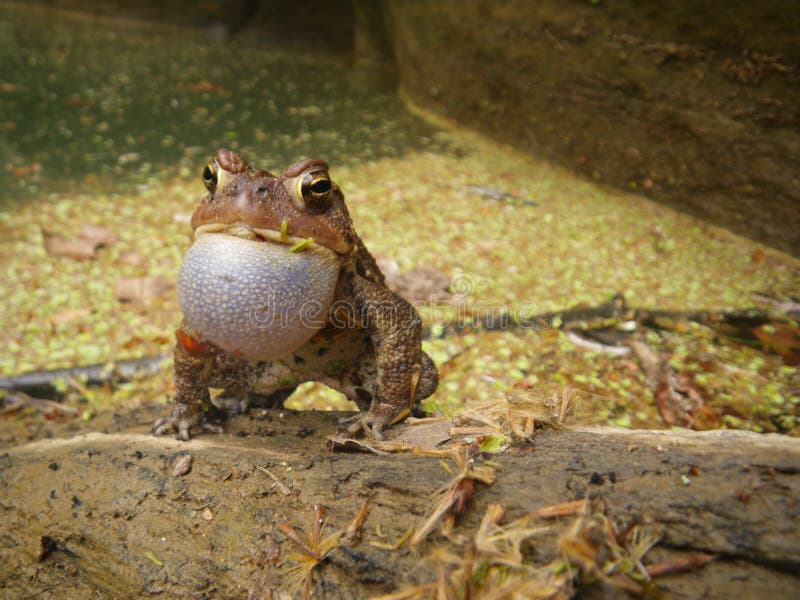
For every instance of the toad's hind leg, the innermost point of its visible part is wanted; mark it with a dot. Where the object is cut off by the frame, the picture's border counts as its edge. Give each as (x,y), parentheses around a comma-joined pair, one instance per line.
(395,330)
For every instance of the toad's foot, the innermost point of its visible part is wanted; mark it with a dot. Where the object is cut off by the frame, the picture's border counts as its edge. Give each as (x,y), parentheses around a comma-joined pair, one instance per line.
(182,423)
(372,422)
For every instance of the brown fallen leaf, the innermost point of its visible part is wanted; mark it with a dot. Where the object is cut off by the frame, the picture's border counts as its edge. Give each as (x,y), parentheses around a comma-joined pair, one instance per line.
(420,284)
(25,170)
(782,339)
(132,258)
(350,444)
(68,315)
(201,86)
(83,246)
(425,434)
(99,235)
(142,289)
(679,402)
(78,248)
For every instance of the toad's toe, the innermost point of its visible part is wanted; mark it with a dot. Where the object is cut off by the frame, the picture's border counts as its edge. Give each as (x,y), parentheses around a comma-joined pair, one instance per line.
(183,424)
(367,423)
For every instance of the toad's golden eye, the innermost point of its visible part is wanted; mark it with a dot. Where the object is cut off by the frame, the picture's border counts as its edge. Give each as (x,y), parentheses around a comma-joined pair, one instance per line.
(210,175)
(316,189)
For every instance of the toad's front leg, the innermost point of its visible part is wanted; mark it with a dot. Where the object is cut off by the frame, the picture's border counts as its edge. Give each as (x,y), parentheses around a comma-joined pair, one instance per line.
(396,330)
(192,406)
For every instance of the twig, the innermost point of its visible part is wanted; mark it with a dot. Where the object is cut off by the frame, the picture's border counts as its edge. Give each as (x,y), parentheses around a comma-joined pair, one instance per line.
(278,483)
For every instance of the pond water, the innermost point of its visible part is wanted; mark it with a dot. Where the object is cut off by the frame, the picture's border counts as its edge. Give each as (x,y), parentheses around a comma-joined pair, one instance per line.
(86,100)
(110,123)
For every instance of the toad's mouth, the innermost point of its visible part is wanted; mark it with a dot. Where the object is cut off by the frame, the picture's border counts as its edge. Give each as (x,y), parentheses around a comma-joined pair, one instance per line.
(256,234)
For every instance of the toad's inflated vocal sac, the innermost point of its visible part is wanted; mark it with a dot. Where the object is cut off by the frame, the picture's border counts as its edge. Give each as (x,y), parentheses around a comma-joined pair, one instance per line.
(277,289)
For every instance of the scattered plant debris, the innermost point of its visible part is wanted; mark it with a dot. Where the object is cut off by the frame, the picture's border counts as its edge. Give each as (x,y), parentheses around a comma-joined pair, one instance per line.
(451,499)
(494,563)
(312,549)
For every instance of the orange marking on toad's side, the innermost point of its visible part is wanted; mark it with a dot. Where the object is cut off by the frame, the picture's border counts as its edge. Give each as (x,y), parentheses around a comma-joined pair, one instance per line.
(193,346)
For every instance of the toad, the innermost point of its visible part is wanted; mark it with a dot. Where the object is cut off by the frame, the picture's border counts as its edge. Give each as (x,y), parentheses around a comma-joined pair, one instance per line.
(278,289)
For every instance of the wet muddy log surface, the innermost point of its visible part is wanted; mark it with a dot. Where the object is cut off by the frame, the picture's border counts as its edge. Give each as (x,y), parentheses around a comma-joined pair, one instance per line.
(97,509)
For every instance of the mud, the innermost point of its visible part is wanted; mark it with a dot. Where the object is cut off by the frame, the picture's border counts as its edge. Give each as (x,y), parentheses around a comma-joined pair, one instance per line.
(97,512)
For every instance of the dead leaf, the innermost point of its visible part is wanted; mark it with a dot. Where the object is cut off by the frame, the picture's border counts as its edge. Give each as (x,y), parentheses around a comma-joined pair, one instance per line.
(82,247)
(338,443)
(132,258)
(201,86)
(78,248)
(679,402)
(425,435)
(27,169)
(99,235)
(780,338)
(68,315)
(142,289)
(420,284)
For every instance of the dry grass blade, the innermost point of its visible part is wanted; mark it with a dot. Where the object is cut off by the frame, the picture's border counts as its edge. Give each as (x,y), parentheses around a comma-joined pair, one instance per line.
(278,483)
(542,586)
(516,415)
(684,563)
(417,592)
(313,549)
(454,493)
(563,509)
(591,545)
(354,528)
(453,497)
(504,543)
(493,565)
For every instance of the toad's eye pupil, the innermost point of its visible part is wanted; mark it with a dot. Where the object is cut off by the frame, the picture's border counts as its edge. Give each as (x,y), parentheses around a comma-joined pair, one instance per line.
(321,186)
(210,178)
(315,189)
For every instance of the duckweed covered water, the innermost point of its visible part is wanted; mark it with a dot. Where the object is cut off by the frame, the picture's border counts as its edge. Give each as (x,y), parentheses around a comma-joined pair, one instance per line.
(111,124)
(85,101)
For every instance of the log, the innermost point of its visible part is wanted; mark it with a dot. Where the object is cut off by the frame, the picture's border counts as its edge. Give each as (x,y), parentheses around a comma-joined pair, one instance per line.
(111,511)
